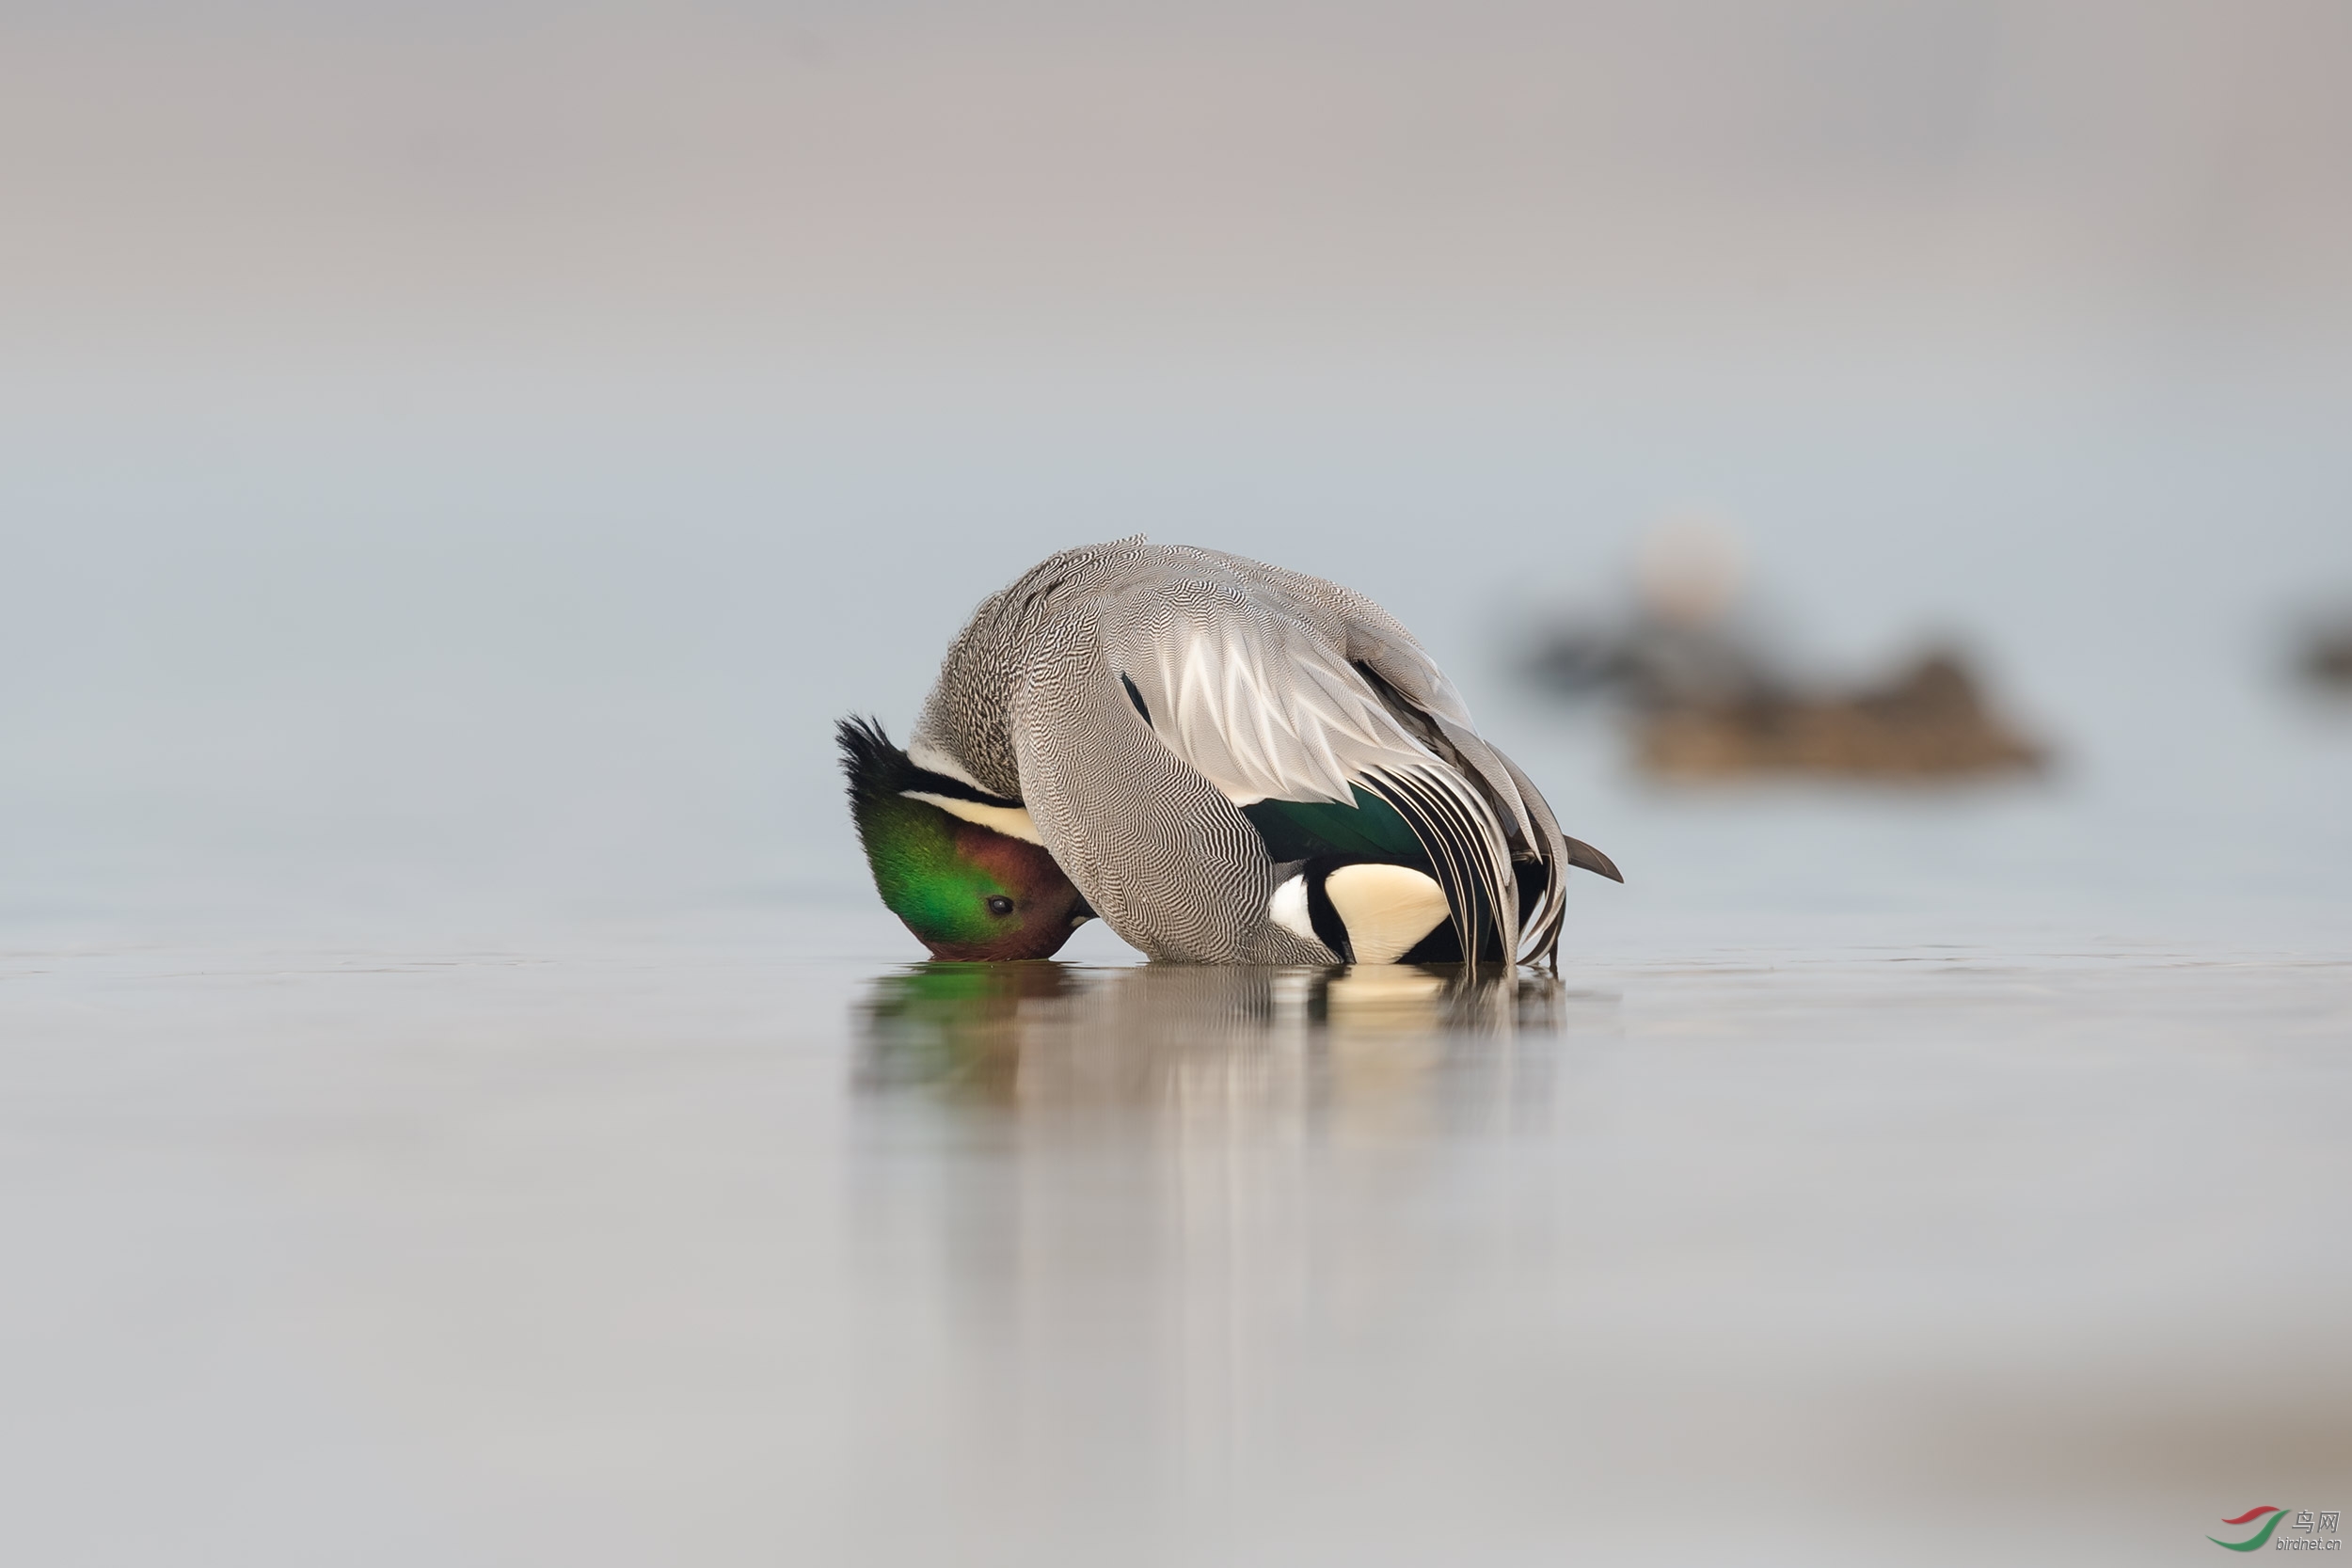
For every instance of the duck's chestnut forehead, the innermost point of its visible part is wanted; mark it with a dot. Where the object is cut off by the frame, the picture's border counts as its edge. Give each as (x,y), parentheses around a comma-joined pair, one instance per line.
(1019,864)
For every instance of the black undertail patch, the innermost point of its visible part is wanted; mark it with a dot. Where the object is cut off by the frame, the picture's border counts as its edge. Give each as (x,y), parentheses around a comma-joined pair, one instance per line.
(1321,913)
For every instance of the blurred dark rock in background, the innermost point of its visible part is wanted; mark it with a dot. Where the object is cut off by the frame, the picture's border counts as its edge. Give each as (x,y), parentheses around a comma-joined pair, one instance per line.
(1930,720)
(2324,657)
(1707,700)
(1651,663)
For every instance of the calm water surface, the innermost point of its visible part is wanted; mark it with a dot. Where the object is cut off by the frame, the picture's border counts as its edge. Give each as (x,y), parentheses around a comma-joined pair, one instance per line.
(458,1104)
(645,1244)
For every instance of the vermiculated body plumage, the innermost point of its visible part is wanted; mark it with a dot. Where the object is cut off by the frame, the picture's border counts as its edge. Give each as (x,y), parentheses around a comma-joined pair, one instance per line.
(1238,763)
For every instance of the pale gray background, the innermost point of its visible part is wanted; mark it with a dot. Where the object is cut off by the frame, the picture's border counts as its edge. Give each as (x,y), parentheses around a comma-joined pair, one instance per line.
(470,453)
(455,462)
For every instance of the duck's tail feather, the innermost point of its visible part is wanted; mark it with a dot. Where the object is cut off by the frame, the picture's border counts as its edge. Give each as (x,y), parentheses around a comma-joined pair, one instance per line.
(1535,852)
(1541,933)
(1468,852)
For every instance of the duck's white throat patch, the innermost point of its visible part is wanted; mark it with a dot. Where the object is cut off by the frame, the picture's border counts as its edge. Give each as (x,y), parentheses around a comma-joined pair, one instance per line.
(1012,821)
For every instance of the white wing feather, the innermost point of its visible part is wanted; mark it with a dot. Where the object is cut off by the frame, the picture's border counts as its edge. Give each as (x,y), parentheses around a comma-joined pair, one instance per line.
(1240,685)
(1249,680)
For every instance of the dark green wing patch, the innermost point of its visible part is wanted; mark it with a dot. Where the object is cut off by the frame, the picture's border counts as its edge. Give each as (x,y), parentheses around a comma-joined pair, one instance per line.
(1370,830)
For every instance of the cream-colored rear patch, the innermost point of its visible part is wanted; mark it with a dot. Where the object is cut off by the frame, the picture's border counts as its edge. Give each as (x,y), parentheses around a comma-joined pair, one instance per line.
(1012,822)
(1386,908)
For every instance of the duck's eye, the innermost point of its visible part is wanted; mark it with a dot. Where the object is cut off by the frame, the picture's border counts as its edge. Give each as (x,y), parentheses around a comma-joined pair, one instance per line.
(1000,905)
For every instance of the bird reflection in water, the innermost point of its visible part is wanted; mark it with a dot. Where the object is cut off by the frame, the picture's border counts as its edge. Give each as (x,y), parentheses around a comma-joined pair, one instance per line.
(1044,1033)
(1127,1222)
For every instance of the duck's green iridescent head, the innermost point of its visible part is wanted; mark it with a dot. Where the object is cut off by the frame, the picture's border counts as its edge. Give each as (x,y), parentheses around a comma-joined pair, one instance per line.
(966,891)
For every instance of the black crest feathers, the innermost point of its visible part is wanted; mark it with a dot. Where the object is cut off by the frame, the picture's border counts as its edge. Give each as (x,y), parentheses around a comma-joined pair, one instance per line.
(873,766)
